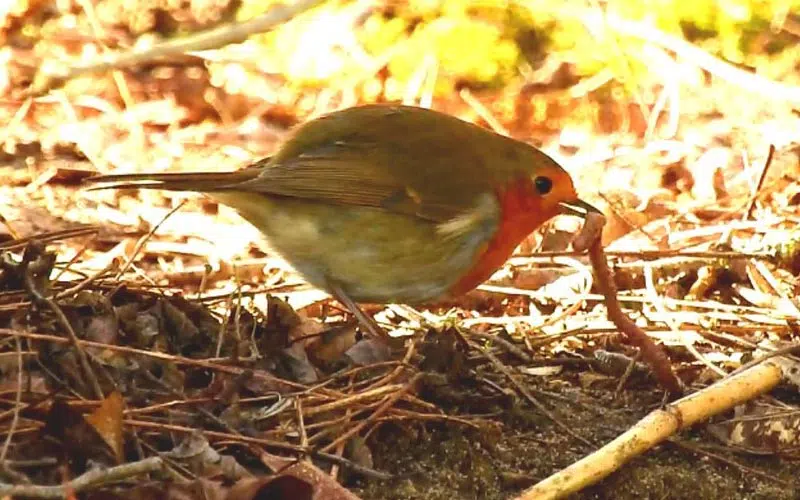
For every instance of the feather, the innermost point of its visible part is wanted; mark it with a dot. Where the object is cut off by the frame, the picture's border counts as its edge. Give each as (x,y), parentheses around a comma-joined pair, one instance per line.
(405,160)
(203,182)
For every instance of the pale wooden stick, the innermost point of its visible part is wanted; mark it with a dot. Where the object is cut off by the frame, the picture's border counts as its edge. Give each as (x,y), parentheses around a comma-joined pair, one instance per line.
(87,480)
(655,428)
(213,39)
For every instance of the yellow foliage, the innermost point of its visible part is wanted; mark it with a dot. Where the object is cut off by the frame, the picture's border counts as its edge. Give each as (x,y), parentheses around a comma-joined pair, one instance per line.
(484,42)
(465,50)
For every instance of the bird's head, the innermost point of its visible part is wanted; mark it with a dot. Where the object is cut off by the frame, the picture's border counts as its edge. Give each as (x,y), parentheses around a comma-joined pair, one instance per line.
(543,191)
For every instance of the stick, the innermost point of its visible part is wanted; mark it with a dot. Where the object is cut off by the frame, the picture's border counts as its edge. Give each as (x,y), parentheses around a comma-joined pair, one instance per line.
(83,482)
(655,428)
(32,253)
(213,39)
(527,394)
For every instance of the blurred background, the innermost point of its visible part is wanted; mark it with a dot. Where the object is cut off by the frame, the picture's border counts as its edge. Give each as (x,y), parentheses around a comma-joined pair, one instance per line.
(667,99)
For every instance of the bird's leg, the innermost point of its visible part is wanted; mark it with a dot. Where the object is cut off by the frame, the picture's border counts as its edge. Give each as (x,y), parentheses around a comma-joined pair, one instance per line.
(363,318)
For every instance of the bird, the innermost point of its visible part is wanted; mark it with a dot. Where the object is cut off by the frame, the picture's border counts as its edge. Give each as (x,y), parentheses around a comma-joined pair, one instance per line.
(385,203)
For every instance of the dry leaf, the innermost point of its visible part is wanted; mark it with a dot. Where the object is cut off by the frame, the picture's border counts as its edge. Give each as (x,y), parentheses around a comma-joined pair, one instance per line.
(107,421)
(293,364)
(330,345)
(207,461)
(761,430)
(79,440)
(368,352)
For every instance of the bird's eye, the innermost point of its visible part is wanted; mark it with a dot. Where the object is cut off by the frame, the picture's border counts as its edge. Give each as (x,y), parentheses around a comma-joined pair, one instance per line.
(543,185)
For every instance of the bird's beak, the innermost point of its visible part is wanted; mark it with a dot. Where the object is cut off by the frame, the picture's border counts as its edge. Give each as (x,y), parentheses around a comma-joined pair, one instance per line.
(578,208)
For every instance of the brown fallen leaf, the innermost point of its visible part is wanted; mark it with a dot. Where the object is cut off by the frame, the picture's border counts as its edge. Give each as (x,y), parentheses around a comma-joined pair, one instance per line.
(206,461)
(368,352)
(76,439)
(761,429)
(329,345)
(107,421)
(293,364)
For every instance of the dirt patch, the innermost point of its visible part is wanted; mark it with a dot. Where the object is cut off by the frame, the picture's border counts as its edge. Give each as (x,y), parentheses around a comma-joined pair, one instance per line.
(444,462)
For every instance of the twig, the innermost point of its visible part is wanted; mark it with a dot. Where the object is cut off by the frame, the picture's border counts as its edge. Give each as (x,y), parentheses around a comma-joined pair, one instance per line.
(84,481)
(658,303)
(339,451)
(508,346)
(68,266)
(655,428)
(349,464)
(405,364)
(301,422)
(10,128)
(13,232)
(526,393)
(360,398)
(48,237)
(726,236)
(383,408)
(233,370)
(651,354)
(239,438)
(37,462)
(195,401)
(14,475)
(650,254)
(31,252)
(632,226)
(213,39)
(69,292)
(627,67)
(223,325)
(484,113)
(711,305)
(749,470)
(17,403)
(97,30)
(140,244)
(784,351)
(172,469)
(200,408)
(628,372)
(763,175)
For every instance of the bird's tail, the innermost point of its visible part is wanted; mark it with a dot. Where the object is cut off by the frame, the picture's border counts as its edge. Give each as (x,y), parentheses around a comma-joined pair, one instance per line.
(203,182)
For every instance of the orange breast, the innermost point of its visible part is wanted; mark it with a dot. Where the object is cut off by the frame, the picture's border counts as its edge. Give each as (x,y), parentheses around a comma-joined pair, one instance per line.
(521,214)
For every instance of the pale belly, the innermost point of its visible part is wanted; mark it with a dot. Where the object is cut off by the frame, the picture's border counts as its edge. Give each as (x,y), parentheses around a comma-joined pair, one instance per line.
(372,255)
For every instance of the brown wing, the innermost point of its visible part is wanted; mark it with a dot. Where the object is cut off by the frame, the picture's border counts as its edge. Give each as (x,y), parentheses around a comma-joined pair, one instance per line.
(407,160)
(204,182)
(403,159)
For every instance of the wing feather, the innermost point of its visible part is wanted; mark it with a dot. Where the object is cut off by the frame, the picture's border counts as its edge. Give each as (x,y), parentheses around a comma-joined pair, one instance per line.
(405,160)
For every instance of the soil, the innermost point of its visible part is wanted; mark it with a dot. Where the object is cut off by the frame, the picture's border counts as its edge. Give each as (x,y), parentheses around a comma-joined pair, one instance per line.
(445,462)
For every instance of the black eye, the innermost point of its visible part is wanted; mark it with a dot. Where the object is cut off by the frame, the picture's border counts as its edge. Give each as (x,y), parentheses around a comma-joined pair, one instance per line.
(543,184)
